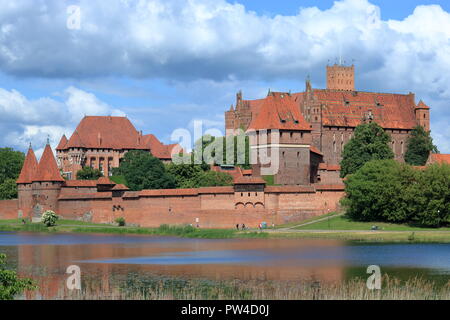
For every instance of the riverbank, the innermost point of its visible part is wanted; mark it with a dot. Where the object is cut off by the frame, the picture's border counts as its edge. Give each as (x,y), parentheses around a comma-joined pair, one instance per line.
(183,289)
(333,226)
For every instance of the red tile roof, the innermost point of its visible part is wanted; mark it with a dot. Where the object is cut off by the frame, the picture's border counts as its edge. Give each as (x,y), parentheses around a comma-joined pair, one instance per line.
(422,105)
(439,158)
(81,183)
(48,169)
(118,133)
(62,143)
(120,187)
(348,108)
(279,111)
(249,180)
(289,189)
(329,167)
(105,181)
(330,187)
(315,150)
(29,168)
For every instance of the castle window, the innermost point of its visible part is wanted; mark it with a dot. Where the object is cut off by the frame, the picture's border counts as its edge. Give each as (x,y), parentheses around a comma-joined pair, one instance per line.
(291,134)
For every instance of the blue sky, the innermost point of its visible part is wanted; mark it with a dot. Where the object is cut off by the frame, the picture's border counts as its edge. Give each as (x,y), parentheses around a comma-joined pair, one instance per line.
(167,63)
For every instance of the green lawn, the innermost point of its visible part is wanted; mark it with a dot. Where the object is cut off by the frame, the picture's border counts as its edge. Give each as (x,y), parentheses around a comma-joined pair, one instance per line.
(343,223)
(293,224)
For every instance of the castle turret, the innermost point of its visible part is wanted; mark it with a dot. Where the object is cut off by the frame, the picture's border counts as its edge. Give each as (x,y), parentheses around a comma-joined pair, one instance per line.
(423,115)
(47,184)
(24,184)
(341,77)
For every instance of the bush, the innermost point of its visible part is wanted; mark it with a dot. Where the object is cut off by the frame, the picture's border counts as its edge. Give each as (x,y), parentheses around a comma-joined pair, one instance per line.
(120,221)
(49,218)
(88,173)
(10,284)
(385,190)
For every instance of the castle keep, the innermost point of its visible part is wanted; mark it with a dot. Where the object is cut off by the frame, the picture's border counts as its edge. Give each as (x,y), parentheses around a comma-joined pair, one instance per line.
(305,132)
(325,119)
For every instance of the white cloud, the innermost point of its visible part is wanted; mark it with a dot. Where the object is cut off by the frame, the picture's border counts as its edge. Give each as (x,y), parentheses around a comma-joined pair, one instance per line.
(24,120)
(213,40)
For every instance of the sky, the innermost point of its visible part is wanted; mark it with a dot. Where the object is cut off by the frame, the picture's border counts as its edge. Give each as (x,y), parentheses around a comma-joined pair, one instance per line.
(166,64)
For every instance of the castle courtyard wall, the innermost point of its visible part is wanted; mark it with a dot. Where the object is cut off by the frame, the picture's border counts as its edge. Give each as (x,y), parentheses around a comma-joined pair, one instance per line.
(9,209)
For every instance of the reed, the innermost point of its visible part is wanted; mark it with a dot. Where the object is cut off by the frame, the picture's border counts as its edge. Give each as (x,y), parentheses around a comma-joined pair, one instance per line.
(179,289)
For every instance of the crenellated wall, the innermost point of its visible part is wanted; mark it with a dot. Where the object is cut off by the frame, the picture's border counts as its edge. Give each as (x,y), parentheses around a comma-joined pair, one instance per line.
(215,207)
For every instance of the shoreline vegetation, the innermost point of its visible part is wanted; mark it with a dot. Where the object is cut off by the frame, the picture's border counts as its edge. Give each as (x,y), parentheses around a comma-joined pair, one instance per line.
(203,289)
(330,226)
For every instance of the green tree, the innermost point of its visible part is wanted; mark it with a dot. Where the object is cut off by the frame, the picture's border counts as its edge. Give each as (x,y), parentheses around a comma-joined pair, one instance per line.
(430,198)
(210,179)
(11,163)
(376,192)
(10,284)
(141,171)
(88,173)
(8,189)
(420,145)
(184,173)
(370,142)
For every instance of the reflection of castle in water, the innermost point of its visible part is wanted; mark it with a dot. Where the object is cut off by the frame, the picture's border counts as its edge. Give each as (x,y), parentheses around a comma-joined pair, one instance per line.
(47,264)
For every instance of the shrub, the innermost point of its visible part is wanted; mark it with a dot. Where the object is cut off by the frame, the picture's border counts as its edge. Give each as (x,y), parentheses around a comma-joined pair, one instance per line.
(49,218)
(120,221)
(10,284)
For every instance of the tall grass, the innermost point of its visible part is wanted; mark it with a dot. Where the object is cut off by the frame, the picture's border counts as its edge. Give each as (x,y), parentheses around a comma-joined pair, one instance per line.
(179,289)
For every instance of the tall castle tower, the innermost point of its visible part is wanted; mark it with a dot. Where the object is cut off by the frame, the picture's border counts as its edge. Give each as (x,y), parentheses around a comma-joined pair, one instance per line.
(39,185)
(340,77)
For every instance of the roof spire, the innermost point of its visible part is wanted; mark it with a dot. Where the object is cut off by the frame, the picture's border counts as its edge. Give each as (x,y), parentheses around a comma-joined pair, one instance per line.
(47,169)
(29,168)
(48,139)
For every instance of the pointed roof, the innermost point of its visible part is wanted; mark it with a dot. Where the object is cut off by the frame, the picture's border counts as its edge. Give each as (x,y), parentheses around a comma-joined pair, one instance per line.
(279,111)
(48,169)
(422,105)
(62,143)
(29,168)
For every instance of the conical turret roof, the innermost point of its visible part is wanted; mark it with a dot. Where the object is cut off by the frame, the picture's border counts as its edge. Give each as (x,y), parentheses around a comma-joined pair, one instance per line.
(29,168)
(47,168)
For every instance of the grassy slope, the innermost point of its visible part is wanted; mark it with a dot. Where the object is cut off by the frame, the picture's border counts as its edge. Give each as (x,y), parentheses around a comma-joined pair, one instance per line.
(343,223)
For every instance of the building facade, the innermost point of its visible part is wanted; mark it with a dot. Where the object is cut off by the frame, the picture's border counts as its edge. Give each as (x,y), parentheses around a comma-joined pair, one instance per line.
(334,113)
(101,143)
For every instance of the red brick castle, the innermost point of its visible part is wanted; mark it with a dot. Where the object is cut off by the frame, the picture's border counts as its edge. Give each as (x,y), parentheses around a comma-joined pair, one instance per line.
(306,132)
(323,121)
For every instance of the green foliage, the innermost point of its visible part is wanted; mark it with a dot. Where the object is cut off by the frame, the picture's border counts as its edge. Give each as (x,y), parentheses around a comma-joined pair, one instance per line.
(88,173)
(386,190)
(118,180)
(8,189)
(270,180)
(142,171)
(369,142)
(120,221)
(10,284)
(184,173)
(216,149)
(209,179)
(420,145)
(49,218)
(11,163)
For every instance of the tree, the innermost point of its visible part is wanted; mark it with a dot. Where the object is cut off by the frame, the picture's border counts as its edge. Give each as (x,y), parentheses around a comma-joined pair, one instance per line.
(431,197)
(8,189)
(184,173)
(370,142)
(420,145)
(88,173)
(210,179)
(143,171)
(10,284)
(376,192)
(385,190)
(11,163)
